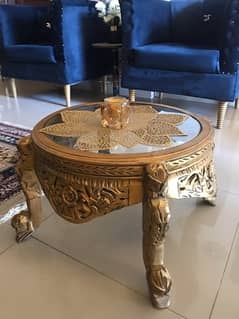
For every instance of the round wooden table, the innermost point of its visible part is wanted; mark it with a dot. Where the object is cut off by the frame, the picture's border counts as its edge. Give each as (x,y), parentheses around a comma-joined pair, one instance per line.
(84,184)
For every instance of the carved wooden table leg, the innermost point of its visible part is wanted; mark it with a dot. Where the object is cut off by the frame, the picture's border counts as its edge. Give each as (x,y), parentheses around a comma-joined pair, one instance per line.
(211,189)
(28,220)
(155,225)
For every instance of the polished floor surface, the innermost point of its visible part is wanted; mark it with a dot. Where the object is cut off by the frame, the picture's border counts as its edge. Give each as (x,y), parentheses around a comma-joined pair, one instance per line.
(95,270)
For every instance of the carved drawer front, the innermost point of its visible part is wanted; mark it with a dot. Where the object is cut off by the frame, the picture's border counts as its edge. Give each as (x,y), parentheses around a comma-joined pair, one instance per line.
(79,198)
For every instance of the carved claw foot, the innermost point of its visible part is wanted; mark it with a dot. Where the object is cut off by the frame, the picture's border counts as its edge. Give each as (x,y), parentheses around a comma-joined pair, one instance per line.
(23,226)
(210,201)
(159,283)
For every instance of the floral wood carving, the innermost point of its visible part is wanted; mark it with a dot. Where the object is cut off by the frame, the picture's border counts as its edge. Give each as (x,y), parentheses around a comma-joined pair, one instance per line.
(199,183)
(79,199)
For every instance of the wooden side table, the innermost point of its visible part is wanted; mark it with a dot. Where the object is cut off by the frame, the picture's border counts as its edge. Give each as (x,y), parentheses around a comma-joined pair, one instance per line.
(163,153)
(115,48)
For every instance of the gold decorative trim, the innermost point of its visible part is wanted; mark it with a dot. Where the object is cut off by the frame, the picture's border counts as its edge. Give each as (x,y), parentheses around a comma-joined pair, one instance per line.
(63,165)
(185,161)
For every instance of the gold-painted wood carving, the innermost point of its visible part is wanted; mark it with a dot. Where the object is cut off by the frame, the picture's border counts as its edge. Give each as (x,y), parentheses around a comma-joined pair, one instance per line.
(185,161)
(156,217)
(199,183)
(79,199)
(63,165)
(28,220)
(84,185)
(198,179)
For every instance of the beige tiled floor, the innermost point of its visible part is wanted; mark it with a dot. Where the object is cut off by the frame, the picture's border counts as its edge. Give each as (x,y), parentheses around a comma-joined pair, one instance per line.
(227,301)
(6,238)
(39,282)
(95,270)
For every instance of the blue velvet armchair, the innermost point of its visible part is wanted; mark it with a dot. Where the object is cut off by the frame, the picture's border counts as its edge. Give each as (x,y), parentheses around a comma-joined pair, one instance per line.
(185,47)
(52,43)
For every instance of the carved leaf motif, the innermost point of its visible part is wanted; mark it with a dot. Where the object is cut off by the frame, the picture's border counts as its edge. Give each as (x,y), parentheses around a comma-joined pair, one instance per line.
(199,183)
(161,281)
(78,199)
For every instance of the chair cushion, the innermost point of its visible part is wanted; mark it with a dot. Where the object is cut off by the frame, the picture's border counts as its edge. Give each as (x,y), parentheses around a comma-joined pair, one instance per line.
(30,53)
(177,57)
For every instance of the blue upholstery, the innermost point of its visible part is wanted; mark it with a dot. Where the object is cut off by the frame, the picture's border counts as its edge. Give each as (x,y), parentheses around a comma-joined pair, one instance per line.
(183,14)
(177,57)
(30,53)
(182,83)
(188,47)
(53,43)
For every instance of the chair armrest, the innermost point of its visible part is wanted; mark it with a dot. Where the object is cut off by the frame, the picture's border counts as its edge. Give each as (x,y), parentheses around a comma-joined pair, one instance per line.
(230,47)
(75,27)
(18,23)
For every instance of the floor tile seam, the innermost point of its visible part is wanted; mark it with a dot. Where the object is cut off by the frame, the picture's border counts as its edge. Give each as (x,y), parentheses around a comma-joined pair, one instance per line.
(88,266)
(101,273)
(6,249)
(177,313)
(46,218)
(224,270)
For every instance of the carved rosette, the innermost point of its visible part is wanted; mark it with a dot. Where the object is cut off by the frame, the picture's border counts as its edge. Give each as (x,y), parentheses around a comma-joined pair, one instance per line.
(79,198)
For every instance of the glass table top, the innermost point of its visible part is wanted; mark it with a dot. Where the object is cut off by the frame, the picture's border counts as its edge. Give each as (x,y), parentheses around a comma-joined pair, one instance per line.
(151,128)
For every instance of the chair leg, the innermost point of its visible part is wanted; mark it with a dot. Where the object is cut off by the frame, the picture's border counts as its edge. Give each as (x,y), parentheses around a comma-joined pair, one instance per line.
(67,90)
(236,105)
(132,95)
(152,95)
(104,86)
(221,112)
(13,87)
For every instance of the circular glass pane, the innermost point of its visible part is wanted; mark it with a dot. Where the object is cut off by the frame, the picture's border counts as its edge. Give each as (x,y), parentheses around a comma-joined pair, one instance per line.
(158,129)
